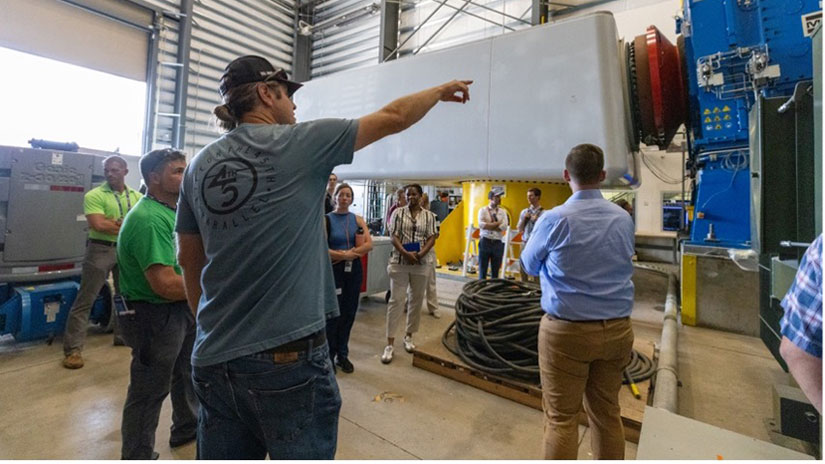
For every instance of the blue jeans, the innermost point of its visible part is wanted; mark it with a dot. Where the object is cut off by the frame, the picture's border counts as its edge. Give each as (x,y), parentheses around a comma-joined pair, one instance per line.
(489,252)
(252,406)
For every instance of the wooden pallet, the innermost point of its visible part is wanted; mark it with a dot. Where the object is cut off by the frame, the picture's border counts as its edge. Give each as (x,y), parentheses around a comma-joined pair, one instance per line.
(434,357)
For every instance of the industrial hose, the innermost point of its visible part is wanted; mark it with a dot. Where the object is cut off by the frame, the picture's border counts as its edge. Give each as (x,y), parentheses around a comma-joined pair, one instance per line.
(496,330)
(640,368)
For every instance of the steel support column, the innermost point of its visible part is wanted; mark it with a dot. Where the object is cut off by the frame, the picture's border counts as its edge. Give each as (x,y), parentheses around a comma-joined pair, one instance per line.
(182,74)
(540,12)
(152,84)
(388,37)
(302,49)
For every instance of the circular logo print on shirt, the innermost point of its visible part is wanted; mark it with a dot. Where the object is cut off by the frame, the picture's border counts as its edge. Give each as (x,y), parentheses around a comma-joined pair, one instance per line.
(228,185)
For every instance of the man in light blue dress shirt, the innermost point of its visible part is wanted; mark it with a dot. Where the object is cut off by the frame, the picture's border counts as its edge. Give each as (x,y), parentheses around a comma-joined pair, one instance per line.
(582,250)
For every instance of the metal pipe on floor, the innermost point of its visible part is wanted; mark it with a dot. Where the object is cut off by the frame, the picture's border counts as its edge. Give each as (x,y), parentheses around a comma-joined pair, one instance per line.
(666,394)
(667,382)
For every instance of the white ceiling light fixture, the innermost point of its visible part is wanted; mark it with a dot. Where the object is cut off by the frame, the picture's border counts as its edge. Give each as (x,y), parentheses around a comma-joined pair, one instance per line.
(304,28)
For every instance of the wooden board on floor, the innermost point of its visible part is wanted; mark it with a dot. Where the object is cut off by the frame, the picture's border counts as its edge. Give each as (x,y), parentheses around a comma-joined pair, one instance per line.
(434,357)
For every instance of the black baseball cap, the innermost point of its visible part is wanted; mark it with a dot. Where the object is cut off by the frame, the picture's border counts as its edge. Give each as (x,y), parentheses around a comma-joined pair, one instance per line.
(250,68)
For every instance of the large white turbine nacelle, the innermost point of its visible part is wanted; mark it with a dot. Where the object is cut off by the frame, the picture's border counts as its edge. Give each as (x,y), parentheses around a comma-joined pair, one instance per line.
(536,93)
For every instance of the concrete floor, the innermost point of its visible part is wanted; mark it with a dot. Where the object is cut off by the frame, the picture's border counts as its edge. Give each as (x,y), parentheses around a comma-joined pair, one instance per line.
(391,411)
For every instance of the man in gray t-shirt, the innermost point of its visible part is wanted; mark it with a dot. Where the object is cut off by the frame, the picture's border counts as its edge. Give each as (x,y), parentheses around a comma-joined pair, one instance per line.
(255,263)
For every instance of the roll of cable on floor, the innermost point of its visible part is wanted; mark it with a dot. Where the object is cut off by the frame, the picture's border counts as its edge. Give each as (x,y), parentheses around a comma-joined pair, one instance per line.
(496,331)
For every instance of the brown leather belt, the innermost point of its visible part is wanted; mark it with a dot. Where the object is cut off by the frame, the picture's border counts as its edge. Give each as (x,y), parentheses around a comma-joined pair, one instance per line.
(291,351)
(554,318)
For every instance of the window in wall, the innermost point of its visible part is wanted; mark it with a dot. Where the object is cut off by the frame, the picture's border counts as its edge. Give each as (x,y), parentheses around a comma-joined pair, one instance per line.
(673,206)
(52,100)
(624,198)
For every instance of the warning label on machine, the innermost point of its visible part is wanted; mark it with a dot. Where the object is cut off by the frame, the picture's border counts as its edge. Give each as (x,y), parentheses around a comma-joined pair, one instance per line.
(810,21)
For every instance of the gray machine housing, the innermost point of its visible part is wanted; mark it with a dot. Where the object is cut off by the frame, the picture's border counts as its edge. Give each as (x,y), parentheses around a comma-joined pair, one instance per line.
(41,211)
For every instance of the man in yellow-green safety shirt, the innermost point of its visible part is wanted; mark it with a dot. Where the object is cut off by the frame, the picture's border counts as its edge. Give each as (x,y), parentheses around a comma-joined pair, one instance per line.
(105,207)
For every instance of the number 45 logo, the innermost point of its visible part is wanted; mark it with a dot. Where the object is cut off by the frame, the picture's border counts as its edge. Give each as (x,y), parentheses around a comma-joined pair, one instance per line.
(809,23)
(228,185)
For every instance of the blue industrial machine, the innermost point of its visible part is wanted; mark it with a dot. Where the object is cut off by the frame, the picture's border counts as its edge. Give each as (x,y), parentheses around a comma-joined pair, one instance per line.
(739,50)
(745,92)
(730,53)
(43,239)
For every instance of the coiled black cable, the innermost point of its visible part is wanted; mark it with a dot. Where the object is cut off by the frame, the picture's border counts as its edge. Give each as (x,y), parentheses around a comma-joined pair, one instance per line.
(640,368)
(496,330)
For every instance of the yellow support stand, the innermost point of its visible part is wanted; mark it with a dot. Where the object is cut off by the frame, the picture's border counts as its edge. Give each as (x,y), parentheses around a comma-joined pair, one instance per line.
(688,289)
(448,247)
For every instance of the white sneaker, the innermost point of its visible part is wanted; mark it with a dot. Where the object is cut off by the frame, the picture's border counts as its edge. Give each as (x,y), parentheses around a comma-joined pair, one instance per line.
(435,313)
(386,358)
(408,344)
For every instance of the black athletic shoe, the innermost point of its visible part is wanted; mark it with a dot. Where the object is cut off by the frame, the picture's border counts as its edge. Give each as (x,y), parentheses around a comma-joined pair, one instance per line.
(155,455)
(345,365)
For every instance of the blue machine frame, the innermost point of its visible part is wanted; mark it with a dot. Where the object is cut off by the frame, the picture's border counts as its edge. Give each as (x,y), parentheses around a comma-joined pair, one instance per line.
(735,50)
(40,310)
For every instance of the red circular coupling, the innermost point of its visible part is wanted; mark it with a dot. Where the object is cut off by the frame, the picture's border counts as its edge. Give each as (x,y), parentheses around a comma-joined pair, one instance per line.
(666,86)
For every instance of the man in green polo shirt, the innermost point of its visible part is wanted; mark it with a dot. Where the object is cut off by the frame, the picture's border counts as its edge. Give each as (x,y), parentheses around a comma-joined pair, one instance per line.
(105,207)
(161,331)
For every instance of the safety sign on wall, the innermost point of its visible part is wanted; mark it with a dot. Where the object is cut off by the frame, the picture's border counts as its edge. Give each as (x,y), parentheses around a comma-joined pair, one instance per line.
(810,21)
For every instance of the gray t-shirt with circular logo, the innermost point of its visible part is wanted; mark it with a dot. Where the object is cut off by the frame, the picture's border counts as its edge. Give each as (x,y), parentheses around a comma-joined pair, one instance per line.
(256,196)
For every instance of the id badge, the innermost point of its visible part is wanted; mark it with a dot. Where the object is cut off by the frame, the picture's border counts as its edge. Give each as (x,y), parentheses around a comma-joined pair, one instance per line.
(348,266)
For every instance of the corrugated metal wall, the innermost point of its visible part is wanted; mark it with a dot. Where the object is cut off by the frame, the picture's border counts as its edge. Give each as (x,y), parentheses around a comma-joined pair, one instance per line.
(221,31)
(346,45)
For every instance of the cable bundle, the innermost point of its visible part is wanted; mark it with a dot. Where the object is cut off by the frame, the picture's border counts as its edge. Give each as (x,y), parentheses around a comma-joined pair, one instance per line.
(640,367)
(497,327)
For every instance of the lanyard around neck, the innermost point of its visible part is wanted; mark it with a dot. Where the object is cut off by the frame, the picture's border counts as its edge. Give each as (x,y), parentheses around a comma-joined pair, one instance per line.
(493,216)
(346,229)
(120,205)
(152,197)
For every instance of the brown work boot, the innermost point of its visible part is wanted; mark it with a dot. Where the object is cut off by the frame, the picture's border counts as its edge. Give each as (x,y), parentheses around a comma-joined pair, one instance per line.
(73,360)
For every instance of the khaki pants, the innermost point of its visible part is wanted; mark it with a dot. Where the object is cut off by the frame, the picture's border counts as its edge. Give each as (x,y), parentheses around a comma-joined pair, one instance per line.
(402,277)
(583,360)
(98,262)
(432,292)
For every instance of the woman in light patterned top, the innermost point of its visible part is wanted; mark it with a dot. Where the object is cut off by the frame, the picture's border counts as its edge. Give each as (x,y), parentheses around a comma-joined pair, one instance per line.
(412,230)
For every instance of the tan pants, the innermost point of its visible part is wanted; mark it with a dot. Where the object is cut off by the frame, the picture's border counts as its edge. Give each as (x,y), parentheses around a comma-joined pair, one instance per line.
(432,293)
(402,278)
(430,290)
(583,360)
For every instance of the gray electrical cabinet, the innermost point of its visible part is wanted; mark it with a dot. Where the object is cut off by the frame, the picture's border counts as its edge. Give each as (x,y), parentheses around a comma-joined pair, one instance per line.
(44,208)
(43,229)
